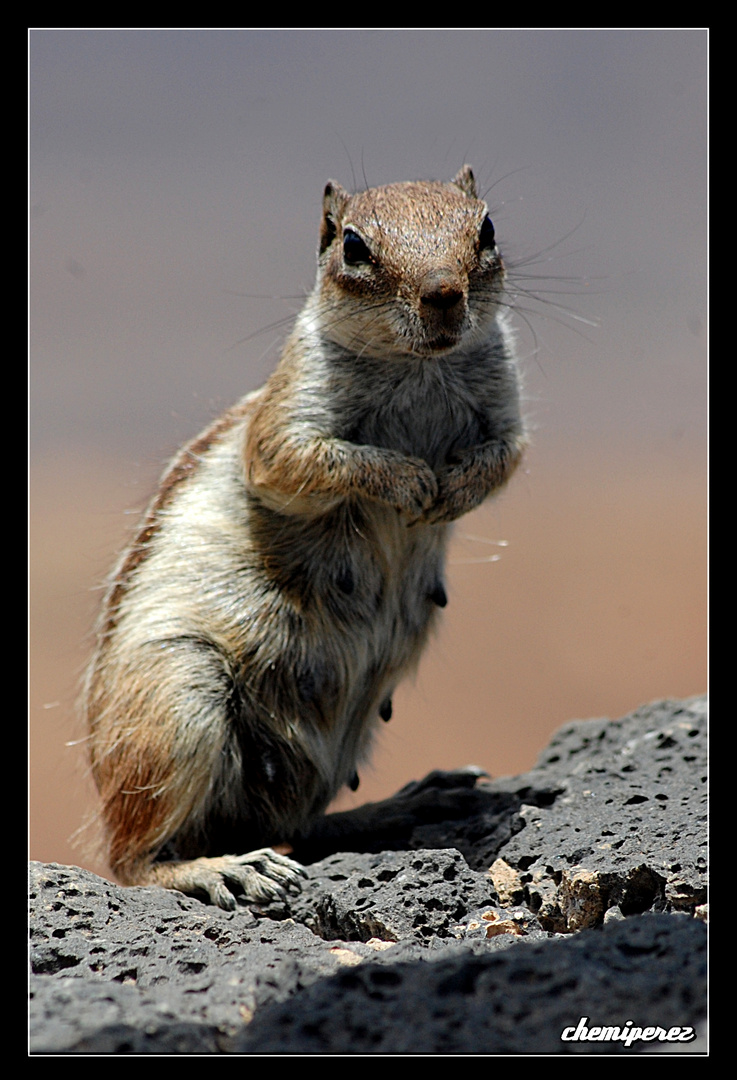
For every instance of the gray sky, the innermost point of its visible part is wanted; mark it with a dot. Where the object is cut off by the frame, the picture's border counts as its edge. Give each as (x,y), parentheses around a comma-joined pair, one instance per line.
(176,178)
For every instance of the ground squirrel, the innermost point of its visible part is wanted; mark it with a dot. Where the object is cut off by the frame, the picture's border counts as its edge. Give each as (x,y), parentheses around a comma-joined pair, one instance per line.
(288,571)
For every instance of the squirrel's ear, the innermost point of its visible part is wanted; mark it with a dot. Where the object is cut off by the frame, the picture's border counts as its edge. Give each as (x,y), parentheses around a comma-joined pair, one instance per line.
(333,202)
(466,181)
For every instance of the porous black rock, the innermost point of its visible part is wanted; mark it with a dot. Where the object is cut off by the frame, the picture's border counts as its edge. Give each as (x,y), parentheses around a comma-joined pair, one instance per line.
(516,1000)
(574,892)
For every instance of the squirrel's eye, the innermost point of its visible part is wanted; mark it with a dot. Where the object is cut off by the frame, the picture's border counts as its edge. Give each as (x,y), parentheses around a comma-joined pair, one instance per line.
(486,234)
(354,249)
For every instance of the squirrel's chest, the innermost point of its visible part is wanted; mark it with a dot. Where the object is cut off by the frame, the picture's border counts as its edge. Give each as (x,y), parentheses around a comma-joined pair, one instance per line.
(423,412)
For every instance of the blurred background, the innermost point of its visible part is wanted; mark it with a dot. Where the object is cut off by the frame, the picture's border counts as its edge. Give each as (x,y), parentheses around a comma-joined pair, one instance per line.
(176,180)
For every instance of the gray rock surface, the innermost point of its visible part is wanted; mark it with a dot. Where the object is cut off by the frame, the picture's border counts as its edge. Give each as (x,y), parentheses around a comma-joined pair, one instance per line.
(577,890)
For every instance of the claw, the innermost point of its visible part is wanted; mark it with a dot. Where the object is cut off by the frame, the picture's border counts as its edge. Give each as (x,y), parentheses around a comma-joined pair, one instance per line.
(258,876)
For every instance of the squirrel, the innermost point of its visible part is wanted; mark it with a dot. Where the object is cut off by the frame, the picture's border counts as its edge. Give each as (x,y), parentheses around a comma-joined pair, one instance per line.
(290,568)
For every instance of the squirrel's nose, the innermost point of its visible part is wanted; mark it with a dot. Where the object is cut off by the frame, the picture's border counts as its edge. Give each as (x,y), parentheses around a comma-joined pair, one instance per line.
(441,288)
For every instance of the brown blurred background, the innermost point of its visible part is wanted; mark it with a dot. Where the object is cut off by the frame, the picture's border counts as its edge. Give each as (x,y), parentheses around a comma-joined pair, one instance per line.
(176,178)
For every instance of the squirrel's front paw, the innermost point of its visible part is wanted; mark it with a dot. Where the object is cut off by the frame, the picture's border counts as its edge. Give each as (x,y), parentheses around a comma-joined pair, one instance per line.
(411,487)
(458,492)
(471,475)
(422,491)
